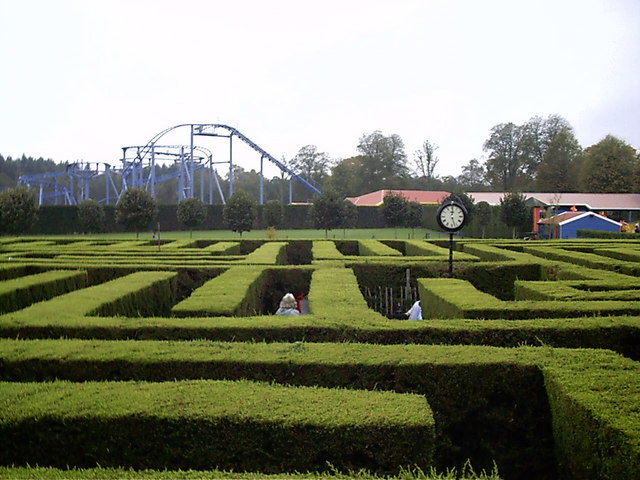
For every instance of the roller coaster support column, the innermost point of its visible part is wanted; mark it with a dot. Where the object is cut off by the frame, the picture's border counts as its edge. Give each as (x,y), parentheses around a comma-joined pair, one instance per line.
(107,178)
(230,165)
(191,188)
(261,180)
(202,172)
(152,172)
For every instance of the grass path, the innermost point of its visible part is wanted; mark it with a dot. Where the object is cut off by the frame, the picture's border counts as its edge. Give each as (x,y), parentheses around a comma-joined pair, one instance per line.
(306,234)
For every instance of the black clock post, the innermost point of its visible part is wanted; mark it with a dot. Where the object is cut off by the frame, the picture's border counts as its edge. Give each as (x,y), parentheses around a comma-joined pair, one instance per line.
(451,217)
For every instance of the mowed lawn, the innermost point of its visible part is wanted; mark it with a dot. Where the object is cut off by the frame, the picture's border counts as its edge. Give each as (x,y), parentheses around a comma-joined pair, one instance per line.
(307,234)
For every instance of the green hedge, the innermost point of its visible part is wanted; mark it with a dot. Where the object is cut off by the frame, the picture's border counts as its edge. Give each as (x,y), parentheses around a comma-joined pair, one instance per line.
(20,292)
(626,254)
(590,390)
(134,294)
(270,253)
(224,248)
(589,260)
(454,298)
(584,233)
(375,247)
(596,419)
(227,294)
(240,425)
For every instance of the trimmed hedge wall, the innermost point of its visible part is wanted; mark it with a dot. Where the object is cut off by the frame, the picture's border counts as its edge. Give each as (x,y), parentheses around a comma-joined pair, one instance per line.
(63,219)
(465,386)
(23,291)
(236,425)
(505,405)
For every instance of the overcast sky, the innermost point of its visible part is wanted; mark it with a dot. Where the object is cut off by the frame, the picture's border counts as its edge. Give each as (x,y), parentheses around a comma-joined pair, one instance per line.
(81,79)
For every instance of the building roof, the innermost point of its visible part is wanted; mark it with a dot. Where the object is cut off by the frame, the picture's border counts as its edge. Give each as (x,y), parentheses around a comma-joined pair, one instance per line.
(568,217)
(589,201)
(375,199)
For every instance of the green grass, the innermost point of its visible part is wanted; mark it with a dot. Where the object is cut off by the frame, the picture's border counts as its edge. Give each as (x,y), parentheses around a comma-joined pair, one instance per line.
(307,234)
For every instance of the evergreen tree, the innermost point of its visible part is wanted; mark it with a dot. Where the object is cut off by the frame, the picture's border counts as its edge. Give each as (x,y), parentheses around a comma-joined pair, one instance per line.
(91,216)
(136,209)
(483,215)
(327,211)
(18,210)
(394,209)
(515,212)
(273,213)
(414,215)
(239,212)
(350,215)
(191,212)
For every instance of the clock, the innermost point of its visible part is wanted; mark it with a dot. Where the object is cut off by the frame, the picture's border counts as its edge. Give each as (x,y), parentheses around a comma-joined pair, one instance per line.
(451,216)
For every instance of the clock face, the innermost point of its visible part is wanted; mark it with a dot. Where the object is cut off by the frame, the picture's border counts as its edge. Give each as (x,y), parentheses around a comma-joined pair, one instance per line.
(451,216)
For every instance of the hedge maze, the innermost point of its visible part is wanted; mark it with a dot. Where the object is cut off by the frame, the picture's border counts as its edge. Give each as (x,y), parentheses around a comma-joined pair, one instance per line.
(140,355)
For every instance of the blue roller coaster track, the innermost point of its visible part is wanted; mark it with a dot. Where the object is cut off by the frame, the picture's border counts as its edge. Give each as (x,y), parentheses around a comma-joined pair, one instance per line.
(138,169)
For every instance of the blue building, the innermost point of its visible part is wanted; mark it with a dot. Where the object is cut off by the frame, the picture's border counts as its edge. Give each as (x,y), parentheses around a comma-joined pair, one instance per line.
(567,224)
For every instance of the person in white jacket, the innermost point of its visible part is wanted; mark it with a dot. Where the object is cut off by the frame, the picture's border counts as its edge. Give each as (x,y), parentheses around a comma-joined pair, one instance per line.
(415,312)
(288,305)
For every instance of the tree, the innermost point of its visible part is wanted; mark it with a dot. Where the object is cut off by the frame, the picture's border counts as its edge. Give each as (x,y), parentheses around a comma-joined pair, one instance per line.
(426,159)
(18,209)
(136,209)
(483,215)
(239,212)
(514,212)
(537,135)
(608,167)
(327,211)
(383,160)
(349,215)
(273,213)
(191,212)
(91,216)
(473,175)
(347,177)
(505,167)
(414,215)
(394,210)
(311,164)
(558,169)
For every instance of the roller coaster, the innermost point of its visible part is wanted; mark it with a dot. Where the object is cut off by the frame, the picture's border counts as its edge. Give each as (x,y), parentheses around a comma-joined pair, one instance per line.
(139,167)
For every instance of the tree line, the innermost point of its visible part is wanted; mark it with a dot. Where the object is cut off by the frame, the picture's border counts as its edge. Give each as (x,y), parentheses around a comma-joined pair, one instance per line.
(542,154)
(136,210)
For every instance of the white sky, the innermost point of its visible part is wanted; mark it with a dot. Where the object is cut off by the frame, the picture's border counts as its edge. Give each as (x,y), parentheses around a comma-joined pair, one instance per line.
(81,79)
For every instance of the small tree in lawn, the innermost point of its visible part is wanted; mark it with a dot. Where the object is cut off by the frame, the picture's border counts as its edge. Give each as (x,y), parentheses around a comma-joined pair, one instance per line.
(327,211)
(273,213)
(91,216)
(136,209)
(515,212)
(191,213)
(414,215)
(18,209)
(483,215)
(394,209)
(239,212)
(349,216)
